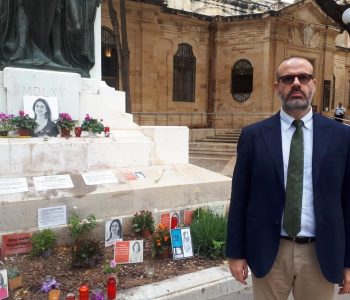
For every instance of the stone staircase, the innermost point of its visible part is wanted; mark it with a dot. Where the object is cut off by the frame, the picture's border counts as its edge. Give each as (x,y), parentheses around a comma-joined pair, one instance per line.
(219,146)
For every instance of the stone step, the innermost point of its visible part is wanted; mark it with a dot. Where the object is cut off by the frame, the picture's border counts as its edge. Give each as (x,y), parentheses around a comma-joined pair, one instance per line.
(212,146)
(164,188)
(213,283)
(212,152)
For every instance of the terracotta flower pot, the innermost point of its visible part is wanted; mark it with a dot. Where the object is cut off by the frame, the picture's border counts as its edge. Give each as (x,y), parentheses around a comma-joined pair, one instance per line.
(165,253)
(65,132)
(15,283)
(24,132)
(146,232)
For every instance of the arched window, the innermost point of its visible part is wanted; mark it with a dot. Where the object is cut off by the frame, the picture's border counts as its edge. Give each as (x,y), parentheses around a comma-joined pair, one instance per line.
(109,58)
(241,80)
(184,74)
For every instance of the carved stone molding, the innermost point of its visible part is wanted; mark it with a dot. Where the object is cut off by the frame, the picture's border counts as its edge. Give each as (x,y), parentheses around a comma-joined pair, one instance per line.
(304,35)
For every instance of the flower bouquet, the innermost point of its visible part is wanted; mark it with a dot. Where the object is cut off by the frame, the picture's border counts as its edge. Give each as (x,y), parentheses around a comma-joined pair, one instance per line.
(65,123)
(92,125)
(161,242)
(110,267)
(5,124)
(143,223)
(24,123)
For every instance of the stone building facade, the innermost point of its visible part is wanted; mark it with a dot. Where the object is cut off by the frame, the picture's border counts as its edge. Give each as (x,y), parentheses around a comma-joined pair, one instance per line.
(235,58)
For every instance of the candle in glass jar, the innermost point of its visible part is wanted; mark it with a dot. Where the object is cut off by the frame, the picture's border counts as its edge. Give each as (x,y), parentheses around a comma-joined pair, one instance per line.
(54,294)
(111,288)
(70,296)
(107,132)
(97,294)
(84,292)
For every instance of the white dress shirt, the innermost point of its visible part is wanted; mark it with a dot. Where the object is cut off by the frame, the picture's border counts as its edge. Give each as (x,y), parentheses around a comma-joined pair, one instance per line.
(307,209)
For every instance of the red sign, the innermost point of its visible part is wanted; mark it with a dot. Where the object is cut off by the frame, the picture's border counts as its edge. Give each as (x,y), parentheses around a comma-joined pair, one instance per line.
(165,219)
(16,243)
(188,217)
(121,252)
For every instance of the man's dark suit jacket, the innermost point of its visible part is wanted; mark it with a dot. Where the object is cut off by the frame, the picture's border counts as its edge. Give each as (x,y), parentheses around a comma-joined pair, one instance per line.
(258,196)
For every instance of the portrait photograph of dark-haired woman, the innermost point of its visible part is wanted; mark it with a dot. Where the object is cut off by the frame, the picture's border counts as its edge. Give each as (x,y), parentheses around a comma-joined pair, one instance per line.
(44,111)
(114,231)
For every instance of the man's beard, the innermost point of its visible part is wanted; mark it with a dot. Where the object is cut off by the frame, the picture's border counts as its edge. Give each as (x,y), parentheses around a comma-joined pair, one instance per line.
(289,103)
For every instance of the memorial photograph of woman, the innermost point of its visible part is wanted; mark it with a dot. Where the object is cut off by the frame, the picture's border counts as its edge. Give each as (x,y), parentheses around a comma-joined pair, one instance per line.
(43,116)
(136,252)
(114,231)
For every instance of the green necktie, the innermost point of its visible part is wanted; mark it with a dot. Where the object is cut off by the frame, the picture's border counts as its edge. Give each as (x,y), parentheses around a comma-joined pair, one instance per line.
(294,188)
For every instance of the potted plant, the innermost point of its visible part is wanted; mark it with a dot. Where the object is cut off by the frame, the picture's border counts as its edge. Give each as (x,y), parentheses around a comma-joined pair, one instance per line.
(14,277)
(24,124)
(92,125)
(65,124)
(161,242)
(43,242)
(5,124)
(143,223)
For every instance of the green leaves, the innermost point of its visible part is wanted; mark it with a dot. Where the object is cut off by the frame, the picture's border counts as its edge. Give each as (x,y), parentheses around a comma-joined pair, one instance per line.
(209,233)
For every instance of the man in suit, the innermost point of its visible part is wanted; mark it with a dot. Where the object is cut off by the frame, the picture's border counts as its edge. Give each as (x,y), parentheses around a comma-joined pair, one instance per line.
(289,218)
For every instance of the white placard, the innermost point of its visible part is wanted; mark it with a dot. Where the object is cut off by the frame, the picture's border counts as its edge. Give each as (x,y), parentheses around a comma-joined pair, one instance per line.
(43,183)
(52,216)
(13,185)
(100,177)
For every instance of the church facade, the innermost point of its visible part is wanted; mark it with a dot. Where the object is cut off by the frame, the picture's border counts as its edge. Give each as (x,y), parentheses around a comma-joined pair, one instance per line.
(191,63)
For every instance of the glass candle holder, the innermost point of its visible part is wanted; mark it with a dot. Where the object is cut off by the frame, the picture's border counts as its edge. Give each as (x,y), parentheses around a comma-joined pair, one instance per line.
(97,294)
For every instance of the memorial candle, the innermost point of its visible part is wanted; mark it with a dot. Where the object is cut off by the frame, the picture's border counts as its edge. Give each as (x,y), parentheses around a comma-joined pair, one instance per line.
(111,288)
(70,296)
(97,294)
(84,292)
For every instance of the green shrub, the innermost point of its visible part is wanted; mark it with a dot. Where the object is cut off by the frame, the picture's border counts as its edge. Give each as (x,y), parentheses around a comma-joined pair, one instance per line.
(86,252)
(79,229)
(43,241)
(13,272)
(208,233)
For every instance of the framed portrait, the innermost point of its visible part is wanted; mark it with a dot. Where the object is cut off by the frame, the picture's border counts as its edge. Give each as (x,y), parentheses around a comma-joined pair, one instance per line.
(29,103)
(113,231)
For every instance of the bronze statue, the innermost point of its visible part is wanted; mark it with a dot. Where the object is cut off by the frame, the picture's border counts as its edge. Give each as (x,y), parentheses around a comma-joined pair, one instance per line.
(42,34)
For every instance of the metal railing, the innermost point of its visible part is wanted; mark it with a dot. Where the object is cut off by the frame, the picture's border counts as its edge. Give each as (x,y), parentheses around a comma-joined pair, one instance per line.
(198,120)
(203,120)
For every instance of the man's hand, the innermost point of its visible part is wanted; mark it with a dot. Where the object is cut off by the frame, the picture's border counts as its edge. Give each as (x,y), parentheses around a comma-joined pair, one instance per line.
(239,269)
(345,288)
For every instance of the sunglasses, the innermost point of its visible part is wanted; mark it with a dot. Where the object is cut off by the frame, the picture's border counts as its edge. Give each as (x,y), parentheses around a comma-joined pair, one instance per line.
(302,78)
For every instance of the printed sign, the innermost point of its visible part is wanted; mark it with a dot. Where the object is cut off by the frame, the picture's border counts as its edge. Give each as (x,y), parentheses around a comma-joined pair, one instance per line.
(52,216)
(43,183)
(13,185)
(101,177)
(130,176)
(16,243)
(165,219)
(181,243)
(188,217)
(128,251)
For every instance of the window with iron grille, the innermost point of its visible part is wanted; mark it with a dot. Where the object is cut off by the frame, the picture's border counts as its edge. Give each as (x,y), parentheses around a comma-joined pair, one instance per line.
(241,80)
(109,58)
(184,74)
